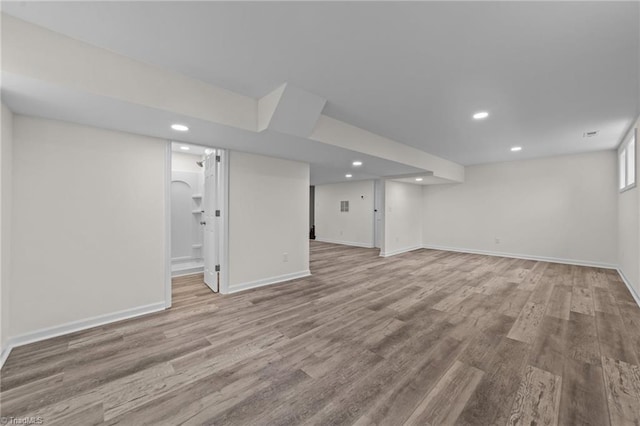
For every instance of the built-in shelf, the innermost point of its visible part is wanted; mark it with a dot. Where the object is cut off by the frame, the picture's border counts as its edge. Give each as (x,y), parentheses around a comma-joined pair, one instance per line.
(197,211)
(196,196)
(196,246)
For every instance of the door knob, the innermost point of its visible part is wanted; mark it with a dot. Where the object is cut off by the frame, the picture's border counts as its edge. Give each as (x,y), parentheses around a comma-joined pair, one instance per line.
(203,223)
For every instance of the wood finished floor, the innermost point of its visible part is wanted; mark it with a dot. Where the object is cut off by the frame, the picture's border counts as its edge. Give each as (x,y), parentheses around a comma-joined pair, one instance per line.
(423,338)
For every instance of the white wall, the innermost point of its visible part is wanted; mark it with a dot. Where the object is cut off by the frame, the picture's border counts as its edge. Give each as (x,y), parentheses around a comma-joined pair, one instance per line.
(560,207)
(403,218)
(268,216)
(181,162)
(187,179)
(88,225)
(6,144)
(629,229)
(354,227)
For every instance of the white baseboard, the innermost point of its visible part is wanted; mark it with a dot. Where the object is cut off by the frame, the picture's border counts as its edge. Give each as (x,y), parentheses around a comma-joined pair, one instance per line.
(74,326)
(268,281)
(5,354)
(344,243)
(398,251)
(632,290)
(188,271)
(525,256)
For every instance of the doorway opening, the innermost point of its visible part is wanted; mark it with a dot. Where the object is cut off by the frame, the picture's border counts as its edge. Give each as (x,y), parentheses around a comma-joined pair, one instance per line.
(312,212)
(198,198)
(378,213)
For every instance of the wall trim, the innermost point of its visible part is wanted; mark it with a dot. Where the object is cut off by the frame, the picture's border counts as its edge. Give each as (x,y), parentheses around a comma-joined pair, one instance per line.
(524,256)
(75,326)
(344,243)
(196,270)
(268,281)
(224,225)
(5,354)
(167,224)
(627,282)
(398,251)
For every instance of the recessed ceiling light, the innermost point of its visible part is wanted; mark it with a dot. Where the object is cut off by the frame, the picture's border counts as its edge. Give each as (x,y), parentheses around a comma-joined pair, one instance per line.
(179,127)
(348,175)
(480,115)
(186,148)
(357,163)
(418,179)
(516,148)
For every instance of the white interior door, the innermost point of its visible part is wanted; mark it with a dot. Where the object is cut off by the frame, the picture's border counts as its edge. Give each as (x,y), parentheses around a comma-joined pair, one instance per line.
(378,213)
(212,218)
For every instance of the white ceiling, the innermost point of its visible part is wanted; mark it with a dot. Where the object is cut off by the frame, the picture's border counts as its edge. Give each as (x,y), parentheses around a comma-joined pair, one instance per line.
(411,71)
(197,150)
(329,164)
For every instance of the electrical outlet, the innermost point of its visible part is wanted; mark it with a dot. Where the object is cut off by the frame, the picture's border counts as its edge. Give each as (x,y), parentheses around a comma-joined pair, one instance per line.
(497,240)
(285,257)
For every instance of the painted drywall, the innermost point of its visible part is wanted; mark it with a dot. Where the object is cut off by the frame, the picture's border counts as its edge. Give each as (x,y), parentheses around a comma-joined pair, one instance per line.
(33,51)
(268,217)
(267,106)
(335,132)
(354,227)
(629,229)
(88,224)
(6,147)
(403,218)
(54,65)
(562,208)
(187,180)
(185,162)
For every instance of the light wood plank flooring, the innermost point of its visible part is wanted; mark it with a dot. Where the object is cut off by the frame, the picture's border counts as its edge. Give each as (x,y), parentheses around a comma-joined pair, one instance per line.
(424,338)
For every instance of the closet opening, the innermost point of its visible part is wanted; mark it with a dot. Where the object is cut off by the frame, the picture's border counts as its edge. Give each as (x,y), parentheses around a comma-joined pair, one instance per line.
(198,199)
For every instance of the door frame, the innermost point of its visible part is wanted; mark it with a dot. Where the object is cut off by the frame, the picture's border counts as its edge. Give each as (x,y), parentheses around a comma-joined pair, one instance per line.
(223,227)
(167,225)
(216,163)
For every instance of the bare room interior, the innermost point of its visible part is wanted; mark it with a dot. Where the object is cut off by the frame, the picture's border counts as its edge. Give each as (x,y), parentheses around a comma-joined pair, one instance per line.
(344,213)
